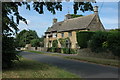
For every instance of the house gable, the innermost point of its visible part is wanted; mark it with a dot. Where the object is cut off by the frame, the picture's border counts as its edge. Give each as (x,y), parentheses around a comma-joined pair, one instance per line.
(95,24)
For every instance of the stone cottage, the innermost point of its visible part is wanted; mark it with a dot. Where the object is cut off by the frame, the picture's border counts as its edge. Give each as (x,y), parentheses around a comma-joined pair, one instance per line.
(69,27)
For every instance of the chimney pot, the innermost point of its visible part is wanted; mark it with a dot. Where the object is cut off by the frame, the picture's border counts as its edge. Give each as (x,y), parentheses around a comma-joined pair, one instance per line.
(54,20)
(68,16)
(95,9)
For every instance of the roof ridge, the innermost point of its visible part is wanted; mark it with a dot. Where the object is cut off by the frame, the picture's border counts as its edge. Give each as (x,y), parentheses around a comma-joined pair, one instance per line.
(79,17)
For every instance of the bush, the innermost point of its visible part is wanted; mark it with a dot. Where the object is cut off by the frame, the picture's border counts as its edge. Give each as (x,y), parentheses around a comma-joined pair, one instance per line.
(49,50)
(9,55)
(83,37)
(69,51)
(98,42)
(113,40)
(65,50)
(73,51)
(58,50)
(35,42)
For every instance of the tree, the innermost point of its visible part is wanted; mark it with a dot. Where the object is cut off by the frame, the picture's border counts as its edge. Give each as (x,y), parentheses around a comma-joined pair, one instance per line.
(35,42)
(74,15)
(11,18)
(25,37)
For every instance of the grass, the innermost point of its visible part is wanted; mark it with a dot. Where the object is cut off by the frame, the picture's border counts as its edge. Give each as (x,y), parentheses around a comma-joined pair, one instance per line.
(110,62)
(32,69)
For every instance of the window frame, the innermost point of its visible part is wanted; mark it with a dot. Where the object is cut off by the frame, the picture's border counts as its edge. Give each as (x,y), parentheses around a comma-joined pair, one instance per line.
(62,34)
(70,33)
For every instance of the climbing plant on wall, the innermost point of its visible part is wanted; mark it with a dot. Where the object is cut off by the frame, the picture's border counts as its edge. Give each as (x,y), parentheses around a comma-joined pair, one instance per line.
(63,41)
(55,43)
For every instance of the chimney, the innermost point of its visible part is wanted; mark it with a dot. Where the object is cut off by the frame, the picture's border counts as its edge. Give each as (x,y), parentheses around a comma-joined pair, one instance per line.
(54,20)
(68,16)
(96,9)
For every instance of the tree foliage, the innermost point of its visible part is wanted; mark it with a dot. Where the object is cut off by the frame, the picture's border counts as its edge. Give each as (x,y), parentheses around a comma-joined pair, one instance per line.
(25,37)
(35,42)
(74,15)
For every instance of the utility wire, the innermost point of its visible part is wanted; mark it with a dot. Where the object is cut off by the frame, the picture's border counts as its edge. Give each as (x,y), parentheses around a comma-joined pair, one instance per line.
(101,6)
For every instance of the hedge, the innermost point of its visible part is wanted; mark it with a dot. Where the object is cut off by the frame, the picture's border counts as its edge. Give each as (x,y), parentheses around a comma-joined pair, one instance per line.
(105,41)
(98,41)
(83,37)
(113,41)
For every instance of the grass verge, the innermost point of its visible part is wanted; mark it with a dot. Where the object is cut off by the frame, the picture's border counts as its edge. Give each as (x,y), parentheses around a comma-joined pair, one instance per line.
(110,62)
(32,69)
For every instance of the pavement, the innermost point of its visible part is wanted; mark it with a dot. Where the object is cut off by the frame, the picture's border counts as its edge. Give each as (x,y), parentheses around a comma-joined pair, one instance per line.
(82,69)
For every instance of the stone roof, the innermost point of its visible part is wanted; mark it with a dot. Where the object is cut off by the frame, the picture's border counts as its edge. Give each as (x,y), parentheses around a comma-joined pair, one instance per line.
(72,24)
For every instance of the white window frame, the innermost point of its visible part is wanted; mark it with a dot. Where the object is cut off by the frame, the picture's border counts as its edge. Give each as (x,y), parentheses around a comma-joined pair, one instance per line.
(54,35)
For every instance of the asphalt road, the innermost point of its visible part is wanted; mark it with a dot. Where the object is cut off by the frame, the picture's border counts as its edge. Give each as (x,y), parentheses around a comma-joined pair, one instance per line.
(82,69)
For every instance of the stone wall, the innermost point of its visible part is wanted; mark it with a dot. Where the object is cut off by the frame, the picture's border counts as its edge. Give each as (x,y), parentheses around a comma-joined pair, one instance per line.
(37,49)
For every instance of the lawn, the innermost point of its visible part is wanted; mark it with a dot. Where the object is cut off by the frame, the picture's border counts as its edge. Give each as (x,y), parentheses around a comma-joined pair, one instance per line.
(110,62)
(32,69)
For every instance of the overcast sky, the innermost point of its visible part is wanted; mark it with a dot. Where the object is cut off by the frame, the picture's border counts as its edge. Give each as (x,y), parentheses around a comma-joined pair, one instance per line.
(108,12)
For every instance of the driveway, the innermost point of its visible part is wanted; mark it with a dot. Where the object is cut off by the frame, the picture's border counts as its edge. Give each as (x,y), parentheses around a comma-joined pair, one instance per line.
(82,69)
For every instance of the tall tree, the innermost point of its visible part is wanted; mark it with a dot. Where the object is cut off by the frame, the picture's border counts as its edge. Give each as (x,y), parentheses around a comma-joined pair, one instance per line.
(25,37)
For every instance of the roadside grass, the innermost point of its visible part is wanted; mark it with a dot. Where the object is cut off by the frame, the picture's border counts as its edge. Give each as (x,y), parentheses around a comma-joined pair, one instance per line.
(51,54)
(32,69)
(110,62)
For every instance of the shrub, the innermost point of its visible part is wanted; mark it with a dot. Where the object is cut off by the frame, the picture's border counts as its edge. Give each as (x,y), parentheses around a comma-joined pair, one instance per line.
(66,50)
(69,51)
(58,50)
(49,50)
(9,55)
(73,51)
(113,40)
(83,37)
(98,42)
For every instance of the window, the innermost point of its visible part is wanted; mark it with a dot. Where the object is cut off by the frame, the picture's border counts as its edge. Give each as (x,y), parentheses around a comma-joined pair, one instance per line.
(54,35)
(69,34)
(62,34)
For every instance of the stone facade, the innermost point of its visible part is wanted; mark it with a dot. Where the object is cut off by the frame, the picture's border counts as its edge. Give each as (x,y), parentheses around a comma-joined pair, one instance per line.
(69,27)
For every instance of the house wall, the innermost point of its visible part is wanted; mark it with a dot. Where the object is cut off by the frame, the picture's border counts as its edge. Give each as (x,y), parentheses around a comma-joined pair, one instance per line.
(66,34)
(96,24)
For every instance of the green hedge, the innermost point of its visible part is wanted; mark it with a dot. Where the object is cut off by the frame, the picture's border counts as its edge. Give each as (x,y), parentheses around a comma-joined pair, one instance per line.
(113,41)
(83,37)
(98,41)
(105,41)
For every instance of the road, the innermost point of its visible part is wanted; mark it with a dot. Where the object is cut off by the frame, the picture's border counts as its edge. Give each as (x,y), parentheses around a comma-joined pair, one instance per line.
(82,69)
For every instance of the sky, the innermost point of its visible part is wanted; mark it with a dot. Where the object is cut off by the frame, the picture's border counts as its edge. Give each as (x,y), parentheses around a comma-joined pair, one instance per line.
(108,13)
